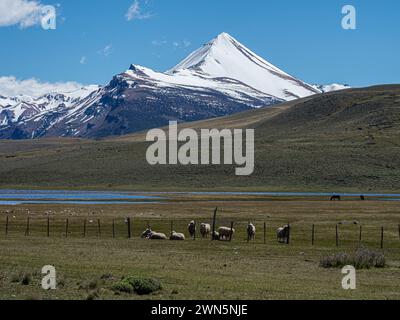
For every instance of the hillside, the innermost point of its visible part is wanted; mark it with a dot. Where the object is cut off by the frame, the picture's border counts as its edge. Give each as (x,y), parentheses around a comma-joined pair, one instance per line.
(339,141)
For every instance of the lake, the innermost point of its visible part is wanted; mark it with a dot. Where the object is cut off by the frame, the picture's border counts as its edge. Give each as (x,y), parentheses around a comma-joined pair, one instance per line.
(16,197)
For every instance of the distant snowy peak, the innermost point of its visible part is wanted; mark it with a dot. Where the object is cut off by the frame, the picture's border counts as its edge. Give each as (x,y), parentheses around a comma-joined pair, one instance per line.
(23,108)
(225,57)
(331,87)
(62,96)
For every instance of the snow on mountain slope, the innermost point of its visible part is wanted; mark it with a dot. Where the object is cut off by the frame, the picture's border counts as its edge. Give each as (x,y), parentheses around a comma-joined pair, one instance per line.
(29,111)
(187,79)
(225,57)
(331,87)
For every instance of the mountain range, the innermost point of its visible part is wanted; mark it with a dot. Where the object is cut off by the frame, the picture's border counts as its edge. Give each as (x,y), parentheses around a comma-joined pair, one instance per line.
(221,78)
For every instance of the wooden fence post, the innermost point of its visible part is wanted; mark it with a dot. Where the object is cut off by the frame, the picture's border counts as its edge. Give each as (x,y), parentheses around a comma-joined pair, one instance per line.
(172,227)
(382,235)
(27,227)
(289,231)
(265,233)
(360,236)
(399,230)
(6,225)
(195,228)
(99,227)
(313,235)
(113,228)
(337,235)
(84,228)
(66,228)
(231,233)
(129,228)
(213,226)
(48,226)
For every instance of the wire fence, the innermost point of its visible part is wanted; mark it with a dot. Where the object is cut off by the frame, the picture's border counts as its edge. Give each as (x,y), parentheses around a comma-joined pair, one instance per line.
(317,234)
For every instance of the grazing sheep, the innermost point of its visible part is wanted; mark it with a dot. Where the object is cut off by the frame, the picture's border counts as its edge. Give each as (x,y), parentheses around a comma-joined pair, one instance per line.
(177,236)
(192,228)
(283,234)
(205,230)
(225,233)
(149,234)
(251,231)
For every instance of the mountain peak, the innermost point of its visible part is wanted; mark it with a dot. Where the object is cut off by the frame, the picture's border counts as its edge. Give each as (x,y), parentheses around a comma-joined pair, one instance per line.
(225,57)
(225,36)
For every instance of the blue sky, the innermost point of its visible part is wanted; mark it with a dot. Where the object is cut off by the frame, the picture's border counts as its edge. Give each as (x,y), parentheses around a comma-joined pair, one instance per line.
(94,39)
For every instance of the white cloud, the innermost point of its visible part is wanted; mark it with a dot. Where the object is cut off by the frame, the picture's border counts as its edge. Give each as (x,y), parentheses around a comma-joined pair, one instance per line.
(159,43)
(182,44)
(175,44)
(135,12)
(25,13)
(11,86)
(106,51)
(83,60)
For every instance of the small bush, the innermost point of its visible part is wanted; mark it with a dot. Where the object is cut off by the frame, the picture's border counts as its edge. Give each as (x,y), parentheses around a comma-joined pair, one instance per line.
(140,286)
(22,278)
(366,259)
(26,279)
(361,259)
(123,286)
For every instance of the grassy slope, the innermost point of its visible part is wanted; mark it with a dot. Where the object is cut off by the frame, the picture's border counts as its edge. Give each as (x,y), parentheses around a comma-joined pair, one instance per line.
(343,141)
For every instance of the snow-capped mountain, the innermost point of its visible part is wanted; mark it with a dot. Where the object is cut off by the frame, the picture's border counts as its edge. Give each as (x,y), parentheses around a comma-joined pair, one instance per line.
(221,78)
(331,87)
(25,116)
(225,57)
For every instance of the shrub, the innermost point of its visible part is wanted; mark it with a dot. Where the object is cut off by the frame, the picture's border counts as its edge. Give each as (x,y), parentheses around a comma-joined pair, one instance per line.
(362,259)
(366,259)
(123,286)
(22,278)
(26,279)
(140,286)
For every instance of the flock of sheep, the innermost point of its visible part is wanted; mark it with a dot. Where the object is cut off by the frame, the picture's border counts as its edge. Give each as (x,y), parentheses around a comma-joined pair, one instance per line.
(222,234)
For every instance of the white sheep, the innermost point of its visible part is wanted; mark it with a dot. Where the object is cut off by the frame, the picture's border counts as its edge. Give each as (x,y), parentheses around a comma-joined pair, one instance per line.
(177,236)
(251,231)
(225,233)
(192,228)
(205,230)
(283,234)
(149,234)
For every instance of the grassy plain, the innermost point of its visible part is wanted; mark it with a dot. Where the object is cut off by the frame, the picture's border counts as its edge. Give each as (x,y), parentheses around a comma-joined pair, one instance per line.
(200,269)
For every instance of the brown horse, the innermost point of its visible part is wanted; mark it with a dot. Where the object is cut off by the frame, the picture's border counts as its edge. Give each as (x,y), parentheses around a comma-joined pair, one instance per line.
(336,197)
